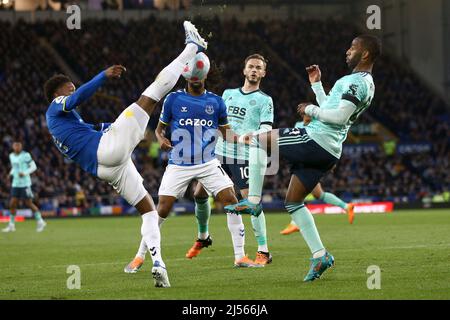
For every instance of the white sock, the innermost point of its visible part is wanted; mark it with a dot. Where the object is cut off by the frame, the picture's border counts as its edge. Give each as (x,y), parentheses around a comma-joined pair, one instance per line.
(152,236)
(237,230)
(203,235)
(263,248)
(319,253)
(142,249)
(168,77)
(254,199)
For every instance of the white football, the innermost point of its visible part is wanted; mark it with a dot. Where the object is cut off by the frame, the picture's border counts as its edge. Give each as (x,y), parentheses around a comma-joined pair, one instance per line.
(197,68)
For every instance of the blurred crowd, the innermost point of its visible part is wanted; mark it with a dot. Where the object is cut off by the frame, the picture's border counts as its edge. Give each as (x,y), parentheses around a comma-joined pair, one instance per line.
(402,103)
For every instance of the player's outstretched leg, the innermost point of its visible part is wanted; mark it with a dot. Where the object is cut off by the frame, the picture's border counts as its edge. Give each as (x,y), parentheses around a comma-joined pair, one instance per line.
(168,77)
(257,167)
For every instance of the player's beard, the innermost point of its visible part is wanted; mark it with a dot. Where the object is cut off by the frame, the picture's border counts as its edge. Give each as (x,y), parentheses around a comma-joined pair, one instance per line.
(253,80)
(353,62)
(197,87)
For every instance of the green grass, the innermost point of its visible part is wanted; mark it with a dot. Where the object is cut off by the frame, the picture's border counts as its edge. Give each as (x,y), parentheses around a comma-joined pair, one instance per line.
(412,248)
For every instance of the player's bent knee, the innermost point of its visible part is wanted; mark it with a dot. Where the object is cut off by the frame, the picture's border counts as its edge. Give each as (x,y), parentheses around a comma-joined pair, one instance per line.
(200,193)
(291,207)
(163,210)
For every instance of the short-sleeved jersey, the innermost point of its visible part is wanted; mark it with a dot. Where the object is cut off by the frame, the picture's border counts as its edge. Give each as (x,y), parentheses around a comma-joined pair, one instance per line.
(73,137)
(20,163)
(194,123)
(357,88)
(246,113)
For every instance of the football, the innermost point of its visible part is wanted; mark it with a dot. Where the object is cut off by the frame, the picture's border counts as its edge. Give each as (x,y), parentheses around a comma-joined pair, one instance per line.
(198,68)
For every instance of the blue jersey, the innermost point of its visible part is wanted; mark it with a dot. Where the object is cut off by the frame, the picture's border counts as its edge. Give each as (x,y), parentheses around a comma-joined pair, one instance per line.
(194,123)
(73,137)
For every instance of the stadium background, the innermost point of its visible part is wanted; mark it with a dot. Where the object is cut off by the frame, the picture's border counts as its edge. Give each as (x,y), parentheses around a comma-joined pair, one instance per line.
(398,151)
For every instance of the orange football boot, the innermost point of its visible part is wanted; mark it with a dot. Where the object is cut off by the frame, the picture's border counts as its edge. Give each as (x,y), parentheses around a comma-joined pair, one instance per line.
(263,258)
(246,262)
(351,212)
(291,228)
(198,246)
(134,265)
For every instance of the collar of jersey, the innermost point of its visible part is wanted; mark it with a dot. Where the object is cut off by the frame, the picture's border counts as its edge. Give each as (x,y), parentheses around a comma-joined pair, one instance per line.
(362,72)
(204,93)
(245,93)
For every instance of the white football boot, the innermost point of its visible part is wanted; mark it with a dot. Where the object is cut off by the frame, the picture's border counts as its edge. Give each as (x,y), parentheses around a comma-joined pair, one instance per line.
(41,224)
(159,273)
(192,36)
(9,228)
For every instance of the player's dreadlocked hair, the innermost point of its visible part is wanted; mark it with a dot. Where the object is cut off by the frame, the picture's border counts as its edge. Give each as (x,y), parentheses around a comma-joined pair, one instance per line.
(214,81)
(52,84)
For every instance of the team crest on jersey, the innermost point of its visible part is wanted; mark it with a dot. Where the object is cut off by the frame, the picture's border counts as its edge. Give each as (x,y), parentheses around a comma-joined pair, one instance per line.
(252,102)
(209,109)
(184,109)
(353,89)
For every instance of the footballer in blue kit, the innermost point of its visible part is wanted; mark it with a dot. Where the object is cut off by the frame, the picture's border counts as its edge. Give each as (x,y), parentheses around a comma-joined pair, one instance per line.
(104,150)
(249,110)
(195,117)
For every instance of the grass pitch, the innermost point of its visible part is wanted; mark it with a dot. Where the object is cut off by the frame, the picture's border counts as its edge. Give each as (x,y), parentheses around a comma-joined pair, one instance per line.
(412,249)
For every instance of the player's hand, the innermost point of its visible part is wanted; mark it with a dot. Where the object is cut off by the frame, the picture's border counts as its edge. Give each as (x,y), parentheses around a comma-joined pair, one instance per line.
(301,109)
(115,71)
(246,138)
(165,144)
(21,174)
(314,73)
(306,120)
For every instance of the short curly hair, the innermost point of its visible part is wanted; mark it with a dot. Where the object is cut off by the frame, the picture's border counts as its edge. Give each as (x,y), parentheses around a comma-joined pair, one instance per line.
(53,84)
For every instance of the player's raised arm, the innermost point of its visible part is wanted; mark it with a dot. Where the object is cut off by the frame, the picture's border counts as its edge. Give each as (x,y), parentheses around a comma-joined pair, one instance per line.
(355,92)
(315,76)
(338,116)
(86,91)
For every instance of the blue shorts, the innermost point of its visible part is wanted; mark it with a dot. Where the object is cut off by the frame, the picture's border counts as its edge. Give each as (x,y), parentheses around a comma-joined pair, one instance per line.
(237,170)
(308,161)
(22,193)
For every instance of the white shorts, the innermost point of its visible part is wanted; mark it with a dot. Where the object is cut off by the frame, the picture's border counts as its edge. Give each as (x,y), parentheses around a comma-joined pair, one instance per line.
(114,154)
(176,178)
